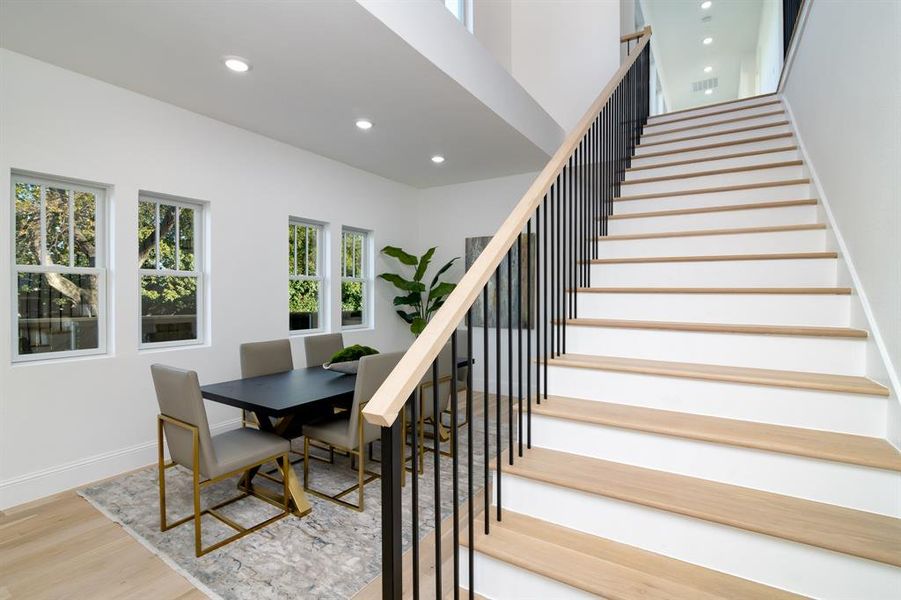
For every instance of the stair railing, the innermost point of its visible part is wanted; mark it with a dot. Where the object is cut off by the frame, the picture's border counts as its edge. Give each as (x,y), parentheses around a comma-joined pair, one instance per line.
(525,280)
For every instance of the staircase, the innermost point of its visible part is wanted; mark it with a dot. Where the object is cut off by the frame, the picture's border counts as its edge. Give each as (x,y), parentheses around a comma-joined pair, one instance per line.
(710,431)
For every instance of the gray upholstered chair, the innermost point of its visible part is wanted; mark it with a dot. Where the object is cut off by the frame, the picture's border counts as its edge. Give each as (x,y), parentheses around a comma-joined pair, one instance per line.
(349,431)
(424,396)
(462,375)
(320,348)
(264,358)
(182,424)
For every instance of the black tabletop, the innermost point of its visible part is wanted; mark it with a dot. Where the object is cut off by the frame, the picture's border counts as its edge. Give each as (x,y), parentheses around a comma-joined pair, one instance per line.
(282,393)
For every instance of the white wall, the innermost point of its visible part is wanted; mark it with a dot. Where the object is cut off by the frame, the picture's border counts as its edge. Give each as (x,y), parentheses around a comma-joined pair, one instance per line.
(67,422)
(492,25)
(564,53)
(769,47)
(844,94)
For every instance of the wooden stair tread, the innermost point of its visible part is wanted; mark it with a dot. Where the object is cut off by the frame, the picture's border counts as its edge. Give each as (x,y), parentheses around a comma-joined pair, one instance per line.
(715,190)
(714,134)
(797,330)
(712,172)
(653,118)
(848,531)
(606,568)
(762,138)
(690,161)
(827,382)
(704,232)
(713,209)
(824,445)
(716,257)
(680,129)
(839,291)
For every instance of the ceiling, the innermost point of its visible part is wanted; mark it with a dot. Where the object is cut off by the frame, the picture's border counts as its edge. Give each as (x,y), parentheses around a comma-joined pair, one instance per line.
(681,57)
(317,66)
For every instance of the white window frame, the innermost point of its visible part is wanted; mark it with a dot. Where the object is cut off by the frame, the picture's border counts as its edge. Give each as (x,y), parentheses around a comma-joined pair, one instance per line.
(99,269)
(365,277)
(321,270)
(198,272)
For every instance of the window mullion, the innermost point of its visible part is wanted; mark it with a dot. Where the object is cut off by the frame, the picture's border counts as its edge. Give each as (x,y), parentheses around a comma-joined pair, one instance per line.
(71,195)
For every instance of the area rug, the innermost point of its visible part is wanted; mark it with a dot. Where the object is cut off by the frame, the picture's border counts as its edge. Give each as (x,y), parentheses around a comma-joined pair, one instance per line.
(331,553)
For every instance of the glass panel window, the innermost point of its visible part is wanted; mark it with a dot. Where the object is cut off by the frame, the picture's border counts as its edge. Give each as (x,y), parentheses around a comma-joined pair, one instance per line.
(171,276)
(305,283)
(355,278)
(59,274)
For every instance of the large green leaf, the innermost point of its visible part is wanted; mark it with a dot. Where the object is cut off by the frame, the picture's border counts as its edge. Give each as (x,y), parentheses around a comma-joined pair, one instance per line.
(423,264)
(442,289)
(398,253)
(418,325)
(413,299)
(447,266)
(403,284)
(408,317)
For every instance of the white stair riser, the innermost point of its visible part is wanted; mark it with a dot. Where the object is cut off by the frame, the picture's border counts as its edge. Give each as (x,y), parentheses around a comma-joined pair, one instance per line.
(741,273)
(756,309)
(774,193)
(780,563)
(709,181)
(500,580)
(735,107)
(723,123)
(862,488)
(651,127)
(722,163)
(757,217)
(683,144)
(831,411)
(752,143)
(839,356)
(812,240)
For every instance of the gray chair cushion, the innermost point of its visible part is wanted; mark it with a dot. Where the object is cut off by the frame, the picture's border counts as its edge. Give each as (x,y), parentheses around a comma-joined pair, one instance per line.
(239,448)
(320,348)
(178,396)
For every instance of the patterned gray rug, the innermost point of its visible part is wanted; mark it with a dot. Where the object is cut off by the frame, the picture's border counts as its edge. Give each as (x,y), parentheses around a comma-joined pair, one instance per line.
(331,553)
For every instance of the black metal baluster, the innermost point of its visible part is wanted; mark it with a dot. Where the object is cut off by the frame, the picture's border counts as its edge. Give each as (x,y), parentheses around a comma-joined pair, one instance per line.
(519,340)
(436,448)
(551,286)
(455,464)
(497,400)
(392,543)
(485,386)
(510,355)
(470,517)
(529,324)
(415,401)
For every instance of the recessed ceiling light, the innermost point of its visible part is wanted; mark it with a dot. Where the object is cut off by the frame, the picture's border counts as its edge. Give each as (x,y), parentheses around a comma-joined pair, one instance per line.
(705,5)
(708,69)
(364,124)
(707,41)
(708,92)
(437,159)
(236,64)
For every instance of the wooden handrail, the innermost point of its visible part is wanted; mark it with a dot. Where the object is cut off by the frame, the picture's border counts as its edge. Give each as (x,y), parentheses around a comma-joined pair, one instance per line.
(635,35)
(384,406)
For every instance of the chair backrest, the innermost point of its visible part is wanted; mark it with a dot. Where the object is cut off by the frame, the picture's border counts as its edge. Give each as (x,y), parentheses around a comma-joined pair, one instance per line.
(371,373)
(266,358)
(320,348)
(444,386)
(462,354)
(178,395)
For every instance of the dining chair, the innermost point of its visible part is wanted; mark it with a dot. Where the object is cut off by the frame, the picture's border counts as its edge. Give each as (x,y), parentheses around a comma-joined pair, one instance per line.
(462,377)
(424,395)
(264,358)
(320,348)
(348,431)
(182,424)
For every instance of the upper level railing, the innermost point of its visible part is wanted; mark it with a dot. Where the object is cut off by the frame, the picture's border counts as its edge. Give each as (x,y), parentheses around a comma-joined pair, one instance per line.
(523,286)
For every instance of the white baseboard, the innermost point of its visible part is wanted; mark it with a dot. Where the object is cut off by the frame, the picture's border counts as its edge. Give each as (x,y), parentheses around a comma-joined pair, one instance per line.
(893,430)
(81,472)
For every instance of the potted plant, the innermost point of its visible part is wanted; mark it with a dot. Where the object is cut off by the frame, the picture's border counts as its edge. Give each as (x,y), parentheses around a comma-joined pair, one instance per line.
(417,303)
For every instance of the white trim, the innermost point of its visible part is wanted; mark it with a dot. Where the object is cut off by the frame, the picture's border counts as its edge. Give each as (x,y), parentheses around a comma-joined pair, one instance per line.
(321,275)
(83,472)
(793,45)
(364,278)
(890,369)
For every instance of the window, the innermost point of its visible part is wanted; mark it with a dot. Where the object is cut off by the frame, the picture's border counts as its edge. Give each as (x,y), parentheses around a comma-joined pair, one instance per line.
(59,276)
(354,278)
(305,282)
(170,267)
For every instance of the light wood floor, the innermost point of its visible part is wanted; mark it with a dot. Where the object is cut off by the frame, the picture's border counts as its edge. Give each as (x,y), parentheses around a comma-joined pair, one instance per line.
(61,547)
